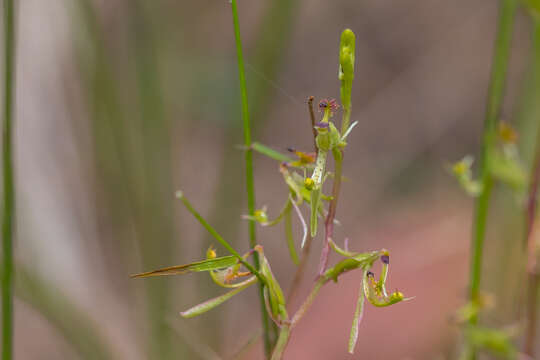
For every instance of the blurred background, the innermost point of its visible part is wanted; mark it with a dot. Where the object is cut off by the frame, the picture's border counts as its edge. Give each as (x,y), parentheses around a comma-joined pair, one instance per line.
(121,103)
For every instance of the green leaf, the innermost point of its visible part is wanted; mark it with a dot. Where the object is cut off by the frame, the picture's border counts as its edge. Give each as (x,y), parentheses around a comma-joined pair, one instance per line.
(271,153)
(219,238)
(205,265)
(212,303)
(358,313)
(289,235)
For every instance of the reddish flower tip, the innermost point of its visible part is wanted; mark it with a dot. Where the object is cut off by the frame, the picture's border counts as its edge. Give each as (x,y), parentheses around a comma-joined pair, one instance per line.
(328,104)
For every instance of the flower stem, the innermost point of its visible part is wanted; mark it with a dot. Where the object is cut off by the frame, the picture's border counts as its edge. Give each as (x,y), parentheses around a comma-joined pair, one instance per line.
(285,330)
(8,183)
(495,94)
(289,233)
(282,342)
(249,173)
(329,223)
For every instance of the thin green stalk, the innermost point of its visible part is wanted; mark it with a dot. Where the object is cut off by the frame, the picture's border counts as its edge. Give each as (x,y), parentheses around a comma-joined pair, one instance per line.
(495,94)
(250,187)
(532,260)
(285,330)
(8,182)
(218,237)
(282,341)
(289,233)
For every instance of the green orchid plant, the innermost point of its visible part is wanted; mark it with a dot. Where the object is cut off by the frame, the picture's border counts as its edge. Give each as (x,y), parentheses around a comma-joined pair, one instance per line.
(304,174)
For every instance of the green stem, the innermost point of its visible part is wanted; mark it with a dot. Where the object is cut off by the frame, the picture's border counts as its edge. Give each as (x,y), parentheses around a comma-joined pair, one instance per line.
(8,183)
(309,300)
(532,261)
(285,330)
(495,95)
(218,237)
(289,233)
(282,342)
(249,173)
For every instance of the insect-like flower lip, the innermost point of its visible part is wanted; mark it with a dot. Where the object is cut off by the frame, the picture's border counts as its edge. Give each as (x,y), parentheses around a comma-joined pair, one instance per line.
(370,274)
(328,104)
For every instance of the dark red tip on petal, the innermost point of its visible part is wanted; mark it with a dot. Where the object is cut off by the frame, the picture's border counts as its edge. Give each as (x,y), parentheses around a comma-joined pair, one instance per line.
(385,259)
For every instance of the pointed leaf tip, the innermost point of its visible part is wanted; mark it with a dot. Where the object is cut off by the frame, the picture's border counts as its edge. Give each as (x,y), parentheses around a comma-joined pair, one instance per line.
(357,319)
(212,303)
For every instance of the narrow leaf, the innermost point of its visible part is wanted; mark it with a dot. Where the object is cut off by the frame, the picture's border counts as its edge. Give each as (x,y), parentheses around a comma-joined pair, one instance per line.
(358,314)
(289,236)
(212,303)
(215,234)
(304,225)
(205,265)
(344,137)
(271,153)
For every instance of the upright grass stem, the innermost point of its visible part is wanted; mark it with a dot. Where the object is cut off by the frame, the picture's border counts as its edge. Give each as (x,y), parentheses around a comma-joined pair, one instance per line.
(495,94)
(8,211)
(532,260)
(249,174)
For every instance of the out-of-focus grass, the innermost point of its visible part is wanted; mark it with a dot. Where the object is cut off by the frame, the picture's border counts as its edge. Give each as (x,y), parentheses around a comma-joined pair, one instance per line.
(132,152)
(76,326)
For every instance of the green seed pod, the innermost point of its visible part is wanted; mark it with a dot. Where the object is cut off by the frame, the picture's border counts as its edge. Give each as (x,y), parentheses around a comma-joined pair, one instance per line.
(335,136)
(323,141)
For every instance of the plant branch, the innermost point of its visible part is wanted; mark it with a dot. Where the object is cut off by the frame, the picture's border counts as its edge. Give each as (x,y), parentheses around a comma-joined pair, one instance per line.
(330,274)
(249,173)
(8,182)
(495,95)
(299,274)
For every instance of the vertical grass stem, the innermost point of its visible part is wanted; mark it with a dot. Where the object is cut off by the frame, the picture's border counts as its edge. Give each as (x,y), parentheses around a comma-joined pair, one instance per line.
(8,211)
(249,173)
(501,55)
